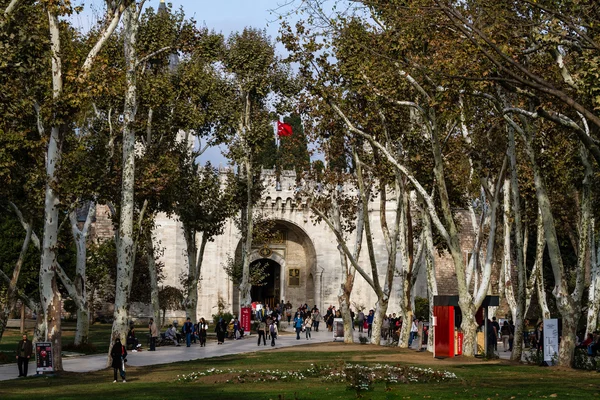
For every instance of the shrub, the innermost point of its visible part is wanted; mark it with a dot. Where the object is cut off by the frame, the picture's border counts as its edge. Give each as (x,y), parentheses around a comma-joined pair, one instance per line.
(226,315)
(582,360)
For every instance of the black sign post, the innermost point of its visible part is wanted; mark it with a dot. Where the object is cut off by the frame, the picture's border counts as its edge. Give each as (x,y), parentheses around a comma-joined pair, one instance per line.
(43,356)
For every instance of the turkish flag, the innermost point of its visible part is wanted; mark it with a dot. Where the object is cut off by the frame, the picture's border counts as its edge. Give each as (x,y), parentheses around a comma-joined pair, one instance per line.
(284,129)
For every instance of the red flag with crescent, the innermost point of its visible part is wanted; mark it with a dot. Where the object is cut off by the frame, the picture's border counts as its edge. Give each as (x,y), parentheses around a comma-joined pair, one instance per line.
(284,129)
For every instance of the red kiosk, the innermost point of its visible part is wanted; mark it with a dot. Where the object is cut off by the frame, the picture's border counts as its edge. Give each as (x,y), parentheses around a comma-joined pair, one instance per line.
(448,341)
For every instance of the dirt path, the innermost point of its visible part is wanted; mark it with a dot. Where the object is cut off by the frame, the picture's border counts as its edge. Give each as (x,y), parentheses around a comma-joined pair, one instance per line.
(366,352)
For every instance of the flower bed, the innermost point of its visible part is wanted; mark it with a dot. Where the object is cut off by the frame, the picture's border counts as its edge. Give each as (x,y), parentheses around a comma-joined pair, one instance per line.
(359,377)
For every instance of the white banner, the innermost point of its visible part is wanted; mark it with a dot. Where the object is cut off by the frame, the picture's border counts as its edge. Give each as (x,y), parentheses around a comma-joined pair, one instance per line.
(550,339)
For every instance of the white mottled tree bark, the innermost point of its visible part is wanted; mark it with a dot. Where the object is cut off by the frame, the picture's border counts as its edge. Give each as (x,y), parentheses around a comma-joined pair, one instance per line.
(248,226)
(519,312)
(568,304)
(195,258)
(506,254)
(348,271)
(126,243)
(431,279)
(80,237)
(49,294)
(594,288)
(150,257)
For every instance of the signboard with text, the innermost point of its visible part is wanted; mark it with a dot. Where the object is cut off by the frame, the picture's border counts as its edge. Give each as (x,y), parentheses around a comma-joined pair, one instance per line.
(245,319)
(43,356)
(550,339)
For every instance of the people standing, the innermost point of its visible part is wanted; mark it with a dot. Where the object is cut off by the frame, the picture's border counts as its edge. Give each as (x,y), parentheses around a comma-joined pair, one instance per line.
(492,338)
(385,327)
(370,318)
(497,328)
(131,339)
(236,329)
(308,323)
(153,334)
(317,318)
(414,329)
(118,354)
(505,334)
(360,319)
(188,329)
(202,329)
(23,354)
(298,321)
(221,330)
(511,336)
(262,327)
(539,338)
(273,332)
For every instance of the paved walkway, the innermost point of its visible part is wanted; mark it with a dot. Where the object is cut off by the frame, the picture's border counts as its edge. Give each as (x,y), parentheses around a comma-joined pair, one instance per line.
(171,354)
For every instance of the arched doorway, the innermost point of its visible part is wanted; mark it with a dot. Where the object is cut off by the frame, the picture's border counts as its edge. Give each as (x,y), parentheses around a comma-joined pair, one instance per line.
(292,258)
(268,292)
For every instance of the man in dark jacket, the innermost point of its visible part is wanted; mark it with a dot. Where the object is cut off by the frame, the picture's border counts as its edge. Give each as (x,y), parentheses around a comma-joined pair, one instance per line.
(118,354)
(24,352)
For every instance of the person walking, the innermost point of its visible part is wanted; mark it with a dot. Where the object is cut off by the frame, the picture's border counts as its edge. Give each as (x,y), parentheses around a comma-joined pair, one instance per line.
(188,329)
(360,319)
(118,354)
(497,328)
(23,354)
(308,323)
(153,334)
(385,328)
(505,334)
(414,329)
(221,330)
(298,325)
(317,318)
(370,318)
(202,329)
(262,328)
(273,332)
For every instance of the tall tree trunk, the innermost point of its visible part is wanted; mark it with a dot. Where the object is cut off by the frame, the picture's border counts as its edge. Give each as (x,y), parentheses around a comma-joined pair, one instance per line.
(507,258)
(193,277)
(192,280)
(380,312)
(521,273)
(431,278)
(539,259)
(406,250)
(348,271)
(126,243)
(154,300)
(80,237)
(594,289)
(568,304)
(49,294)
(246,286)
(12,292)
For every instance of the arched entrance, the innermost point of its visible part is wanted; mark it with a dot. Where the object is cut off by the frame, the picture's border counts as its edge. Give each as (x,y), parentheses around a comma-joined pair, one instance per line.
(292,260)
(268,292)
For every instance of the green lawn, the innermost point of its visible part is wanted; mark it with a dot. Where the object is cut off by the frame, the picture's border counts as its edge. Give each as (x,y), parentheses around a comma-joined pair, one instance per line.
(99,338)
(241,375)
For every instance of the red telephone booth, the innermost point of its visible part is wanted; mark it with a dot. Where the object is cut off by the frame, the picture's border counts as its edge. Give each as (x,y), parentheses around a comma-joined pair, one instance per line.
(448,340)
(444,331)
